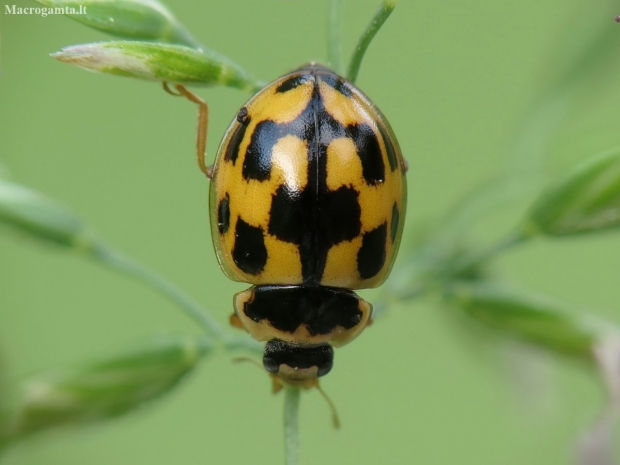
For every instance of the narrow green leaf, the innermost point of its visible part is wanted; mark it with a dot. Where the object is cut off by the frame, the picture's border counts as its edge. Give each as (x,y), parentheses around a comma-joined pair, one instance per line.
(106,389)
(159,62)
(576,65)
(129,19)
(531,320)
(39,217)
(587,199)
(380,17)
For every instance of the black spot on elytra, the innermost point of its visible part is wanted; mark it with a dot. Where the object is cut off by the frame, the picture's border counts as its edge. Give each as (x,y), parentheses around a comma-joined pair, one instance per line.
(337,83)
(394,222)
(257,162)
(232,149)
(295,356)
(287,217)
(340,215)
(369,152)
(292,83)
(371,256)
(320,309)
(249,252)
(389,148)
(223,215)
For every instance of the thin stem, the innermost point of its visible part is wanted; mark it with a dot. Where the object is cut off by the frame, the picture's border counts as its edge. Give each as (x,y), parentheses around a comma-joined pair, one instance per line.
(193,309)
(291,425)
(477,258)
(419,285)
(334,35)
(382,14)
(120,262)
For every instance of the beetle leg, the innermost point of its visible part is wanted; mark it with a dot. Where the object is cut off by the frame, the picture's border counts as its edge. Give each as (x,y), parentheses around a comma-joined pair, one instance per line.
(235,321)
(203,122)
(276,384)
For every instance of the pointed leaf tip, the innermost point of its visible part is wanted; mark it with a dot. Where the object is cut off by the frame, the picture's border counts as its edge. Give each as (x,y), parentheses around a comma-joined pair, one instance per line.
(534,320)
(32,213)
(585,200)
(105,389)
(155,61)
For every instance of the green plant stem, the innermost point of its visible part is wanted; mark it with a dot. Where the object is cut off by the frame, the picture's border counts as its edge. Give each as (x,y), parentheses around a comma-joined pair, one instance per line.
(291,425)
(441,281)
(116,260)
(382,14)
(477,258)
(334,35)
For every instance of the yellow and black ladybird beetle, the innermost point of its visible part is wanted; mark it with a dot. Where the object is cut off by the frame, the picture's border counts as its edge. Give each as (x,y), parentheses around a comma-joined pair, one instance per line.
(307,200)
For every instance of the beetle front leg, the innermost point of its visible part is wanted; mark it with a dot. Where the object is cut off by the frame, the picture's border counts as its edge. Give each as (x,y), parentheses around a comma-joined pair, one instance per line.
(203,122)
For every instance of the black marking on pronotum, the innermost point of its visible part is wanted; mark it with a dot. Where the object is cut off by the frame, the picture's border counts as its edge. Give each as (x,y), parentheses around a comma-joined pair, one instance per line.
(249,252)
(281,353)
(394,222)
(292,83)
(371,256)
(320,309)
(223,214)
(369,152)
(389,148)
(337,84)
(242,115)
(232,149)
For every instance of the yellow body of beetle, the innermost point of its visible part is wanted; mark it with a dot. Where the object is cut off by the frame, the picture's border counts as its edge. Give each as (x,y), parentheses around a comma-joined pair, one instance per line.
(308,200)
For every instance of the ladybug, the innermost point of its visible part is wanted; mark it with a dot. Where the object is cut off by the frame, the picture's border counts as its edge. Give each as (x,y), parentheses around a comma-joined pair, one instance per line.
(307,203)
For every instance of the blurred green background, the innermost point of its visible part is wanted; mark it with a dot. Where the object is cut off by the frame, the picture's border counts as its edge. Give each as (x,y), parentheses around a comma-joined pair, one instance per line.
(458,82)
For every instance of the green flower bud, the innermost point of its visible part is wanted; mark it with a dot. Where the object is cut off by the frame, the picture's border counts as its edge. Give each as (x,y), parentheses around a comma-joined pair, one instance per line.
(587,199)
(535,321)
(40,217)
(129,19)
(160,62)
(104,390)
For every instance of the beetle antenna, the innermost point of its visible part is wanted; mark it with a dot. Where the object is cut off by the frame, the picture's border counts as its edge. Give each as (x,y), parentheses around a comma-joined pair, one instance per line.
(332,407)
